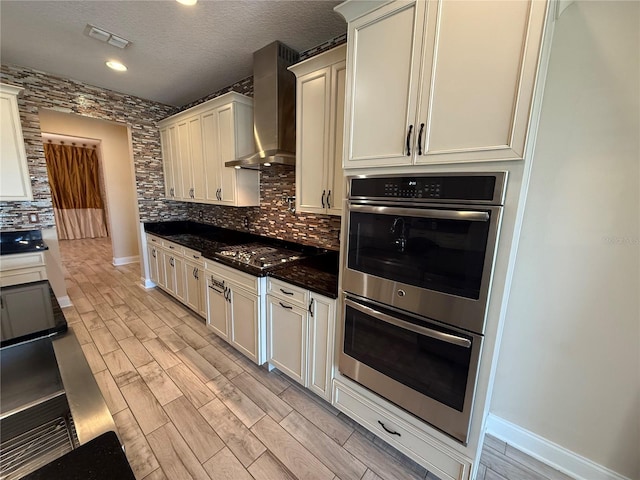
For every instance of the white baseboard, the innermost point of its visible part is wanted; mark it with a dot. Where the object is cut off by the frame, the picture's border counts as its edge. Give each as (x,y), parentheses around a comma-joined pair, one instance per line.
(117,261)
(146,283)
(550,453)
(64,301)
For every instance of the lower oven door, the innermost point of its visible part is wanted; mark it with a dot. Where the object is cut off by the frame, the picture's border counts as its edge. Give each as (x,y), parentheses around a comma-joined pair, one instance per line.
(424,367)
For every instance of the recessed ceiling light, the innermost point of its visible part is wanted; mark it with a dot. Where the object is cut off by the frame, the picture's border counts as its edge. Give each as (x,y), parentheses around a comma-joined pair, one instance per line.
(187,2)
(116,66)
(267,164)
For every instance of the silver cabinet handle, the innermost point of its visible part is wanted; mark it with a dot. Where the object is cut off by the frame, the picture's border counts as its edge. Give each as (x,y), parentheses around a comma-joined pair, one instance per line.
(470,215)
(444,337)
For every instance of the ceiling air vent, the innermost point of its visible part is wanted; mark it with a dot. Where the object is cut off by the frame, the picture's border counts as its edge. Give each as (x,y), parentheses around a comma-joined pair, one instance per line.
(106,36)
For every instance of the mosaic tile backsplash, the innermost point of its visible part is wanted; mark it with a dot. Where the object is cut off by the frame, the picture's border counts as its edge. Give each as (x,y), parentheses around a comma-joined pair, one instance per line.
(271,219)
(42,90)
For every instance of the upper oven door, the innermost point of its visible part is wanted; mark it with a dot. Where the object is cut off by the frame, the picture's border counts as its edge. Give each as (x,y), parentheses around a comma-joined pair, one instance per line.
(429,260)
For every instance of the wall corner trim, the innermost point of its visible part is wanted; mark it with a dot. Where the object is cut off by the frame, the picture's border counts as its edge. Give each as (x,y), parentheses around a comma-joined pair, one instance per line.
(550,453)
(117,261)
(64,301)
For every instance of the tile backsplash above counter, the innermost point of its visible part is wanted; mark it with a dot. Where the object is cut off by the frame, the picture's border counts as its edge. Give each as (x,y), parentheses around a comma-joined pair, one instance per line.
(273,218)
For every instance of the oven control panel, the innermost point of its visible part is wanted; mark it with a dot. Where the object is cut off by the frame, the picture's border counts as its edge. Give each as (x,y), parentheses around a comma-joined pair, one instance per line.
(452,187)
(412,189)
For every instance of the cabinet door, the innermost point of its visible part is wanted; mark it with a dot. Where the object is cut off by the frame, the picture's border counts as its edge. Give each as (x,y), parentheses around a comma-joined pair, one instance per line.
(174,159)
(312,137)
(184,161)
(169,269)
(163,260)
(384,53)
(152,255)
(211,156)
(227,152)
(178,270)
(197,159)
(15,183)
(287,338)
(192,286)
(335,174)
(217,309)
(322,319)
(480,61)
(243,321)
(168,159)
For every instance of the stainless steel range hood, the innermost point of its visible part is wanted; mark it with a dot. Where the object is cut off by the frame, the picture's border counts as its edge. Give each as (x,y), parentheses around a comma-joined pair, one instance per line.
(274,108)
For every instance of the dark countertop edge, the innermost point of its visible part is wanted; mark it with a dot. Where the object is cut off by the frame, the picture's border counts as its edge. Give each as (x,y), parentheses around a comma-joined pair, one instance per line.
(60,322)
(279,273)
(40,247)
(311,287)
(99,459)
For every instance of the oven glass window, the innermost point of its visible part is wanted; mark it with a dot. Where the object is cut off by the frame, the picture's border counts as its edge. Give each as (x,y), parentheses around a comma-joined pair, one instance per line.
(432,367)
(436,254)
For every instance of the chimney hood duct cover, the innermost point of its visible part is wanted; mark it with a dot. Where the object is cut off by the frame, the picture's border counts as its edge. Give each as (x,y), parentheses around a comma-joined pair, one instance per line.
(274,108)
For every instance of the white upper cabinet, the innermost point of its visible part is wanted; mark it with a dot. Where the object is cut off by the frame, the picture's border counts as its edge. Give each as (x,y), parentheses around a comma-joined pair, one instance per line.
(15,184)
(441,81)
(320,90)
(196,144)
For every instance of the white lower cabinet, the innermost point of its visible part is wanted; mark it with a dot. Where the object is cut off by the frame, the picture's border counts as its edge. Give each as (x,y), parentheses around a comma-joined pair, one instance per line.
(194,282)
(361,405)
(235,309)
(178,271)
(287,338)
(19,268)
(300,326)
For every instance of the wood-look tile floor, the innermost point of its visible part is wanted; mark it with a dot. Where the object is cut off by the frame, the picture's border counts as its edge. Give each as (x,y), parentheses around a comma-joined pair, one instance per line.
(187,405)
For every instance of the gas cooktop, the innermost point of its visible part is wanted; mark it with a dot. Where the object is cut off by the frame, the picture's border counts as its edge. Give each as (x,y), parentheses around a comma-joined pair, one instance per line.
(259,255)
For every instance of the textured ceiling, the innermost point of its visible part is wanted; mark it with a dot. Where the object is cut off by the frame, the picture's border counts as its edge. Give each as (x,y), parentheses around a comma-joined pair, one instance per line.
(178,54)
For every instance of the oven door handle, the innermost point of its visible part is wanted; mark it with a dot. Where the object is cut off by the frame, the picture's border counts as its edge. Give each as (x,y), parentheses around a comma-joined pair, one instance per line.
(444,337)
(470,215)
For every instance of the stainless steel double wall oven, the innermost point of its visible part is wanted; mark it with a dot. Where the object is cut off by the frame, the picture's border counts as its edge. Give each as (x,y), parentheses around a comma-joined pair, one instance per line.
(416,276)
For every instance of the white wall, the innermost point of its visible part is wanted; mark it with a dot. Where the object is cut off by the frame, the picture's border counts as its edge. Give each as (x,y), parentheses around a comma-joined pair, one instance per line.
(569,365)
(118,174)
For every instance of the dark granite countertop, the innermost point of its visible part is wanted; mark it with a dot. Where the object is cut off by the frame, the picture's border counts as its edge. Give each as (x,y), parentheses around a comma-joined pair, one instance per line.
(99,459)
(21,241)
(317,272)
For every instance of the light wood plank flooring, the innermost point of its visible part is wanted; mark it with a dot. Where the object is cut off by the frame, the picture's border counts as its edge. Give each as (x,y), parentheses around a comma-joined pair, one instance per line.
(187,405)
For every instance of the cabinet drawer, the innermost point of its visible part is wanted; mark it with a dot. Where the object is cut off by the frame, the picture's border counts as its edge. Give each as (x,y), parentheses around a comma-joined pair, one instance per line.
(294,295)
(418,445)
(21,260)
(193,256)
(173,247)
(22,275)
(154,240)
(241,279)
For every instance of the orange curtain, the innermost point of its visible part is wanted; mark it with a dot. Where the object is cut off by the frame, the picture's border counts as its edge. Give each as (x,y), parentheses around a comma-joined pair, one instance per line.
(75,190)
